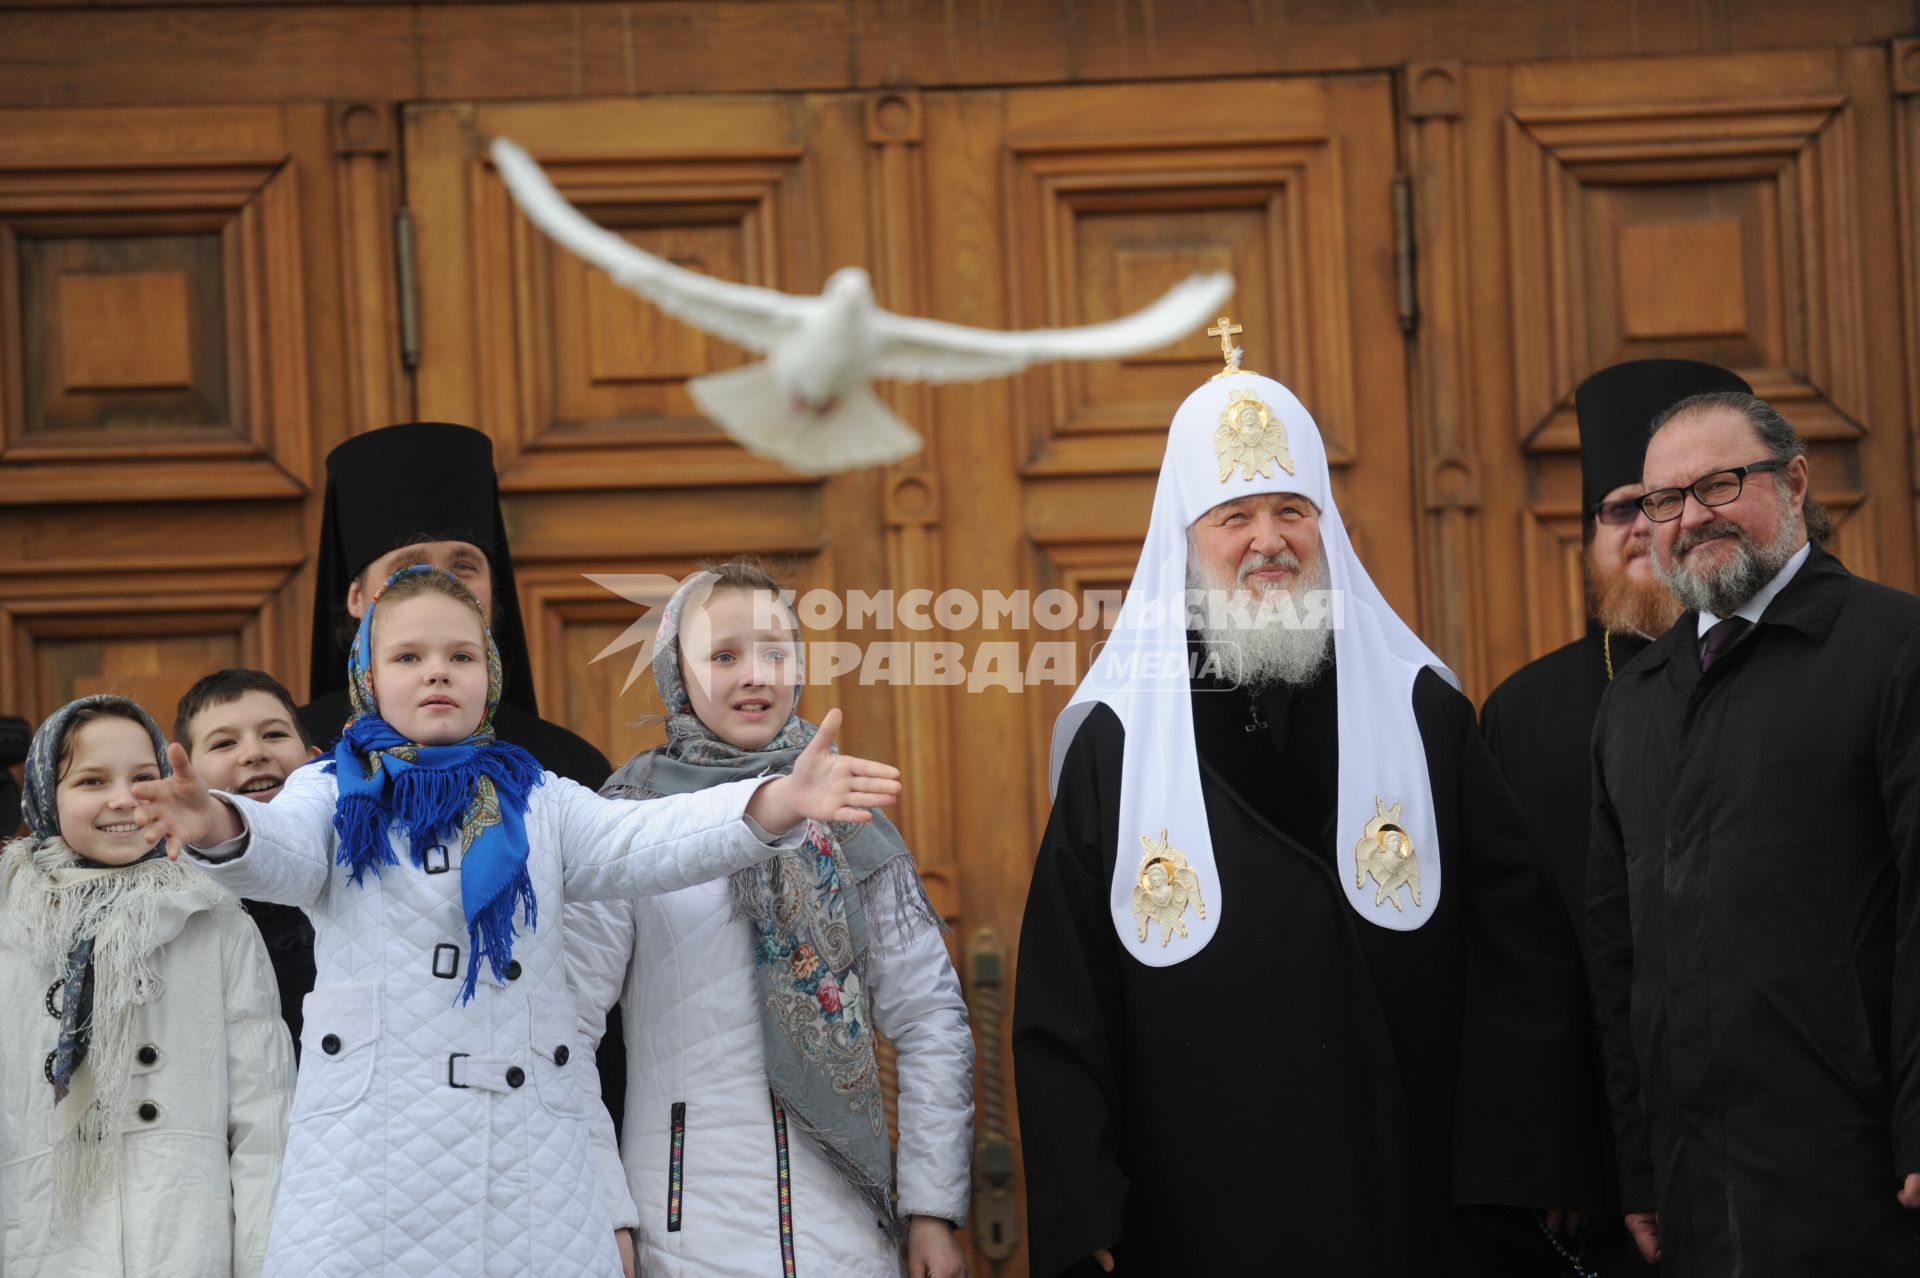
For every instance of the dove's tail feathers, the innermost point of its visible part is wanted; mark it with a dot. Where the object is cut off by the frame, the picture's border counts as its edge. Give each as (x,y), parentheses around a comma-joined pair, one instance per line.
(860,431)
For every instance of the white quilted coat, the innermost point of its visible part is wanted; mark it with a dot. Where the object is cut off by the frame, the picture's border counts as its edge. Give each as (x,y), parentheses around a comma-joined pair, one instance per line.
(429,1138)
(682,969)
(206,1122)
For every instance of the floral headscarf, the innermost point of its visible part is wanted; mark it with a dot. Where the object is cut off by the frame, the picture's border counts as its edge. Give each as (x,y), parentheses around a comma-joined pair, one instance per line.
(808,910)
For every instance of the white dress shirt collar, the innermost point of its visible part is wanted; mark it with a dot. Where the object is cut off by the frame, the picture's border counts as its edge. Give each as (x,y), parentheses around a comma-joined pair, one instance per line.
(1753,607)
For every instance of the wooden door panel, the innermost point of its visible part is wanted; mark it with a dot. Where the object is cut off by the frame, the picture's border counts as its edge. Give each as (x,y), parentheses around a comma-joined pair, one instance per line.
(1723,234)
(580,383)
(142,626)
(161,376)
(153,307)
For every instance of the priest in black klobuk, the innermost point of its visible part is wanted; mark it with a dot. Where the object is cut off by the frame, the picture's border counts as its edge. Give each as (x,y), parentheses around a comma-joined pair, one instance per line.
(1296,993)
(1539,723)
(426,489)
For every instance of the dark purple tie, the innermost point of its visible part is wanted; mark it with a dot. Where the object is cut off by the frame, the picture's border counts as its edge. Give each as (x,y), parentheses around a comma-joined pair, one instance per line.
(1721,638)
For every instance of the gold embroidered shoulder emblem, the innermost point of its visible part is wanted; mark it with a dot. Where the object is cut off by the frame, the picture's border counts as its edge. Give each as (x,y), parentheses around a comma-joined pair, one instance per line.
(1250,437)
(1167,885)
(1385,851)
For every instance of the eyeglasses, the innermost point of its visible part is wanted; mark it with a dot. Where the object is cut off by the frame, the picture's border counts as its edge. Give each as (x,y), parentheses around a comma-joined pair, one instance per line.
(1717,489)
(1616,513)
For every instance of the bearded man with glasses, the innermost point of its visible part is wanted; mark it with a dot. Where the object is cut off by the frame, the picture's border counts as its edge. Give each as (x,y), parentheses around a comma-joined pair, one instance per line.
(1539,723)
(1753,890)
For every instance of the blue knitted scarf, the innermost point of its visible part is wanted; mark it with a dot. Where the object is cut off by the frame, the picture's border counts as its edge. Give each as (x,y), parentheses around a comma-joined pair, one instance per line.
(475,791)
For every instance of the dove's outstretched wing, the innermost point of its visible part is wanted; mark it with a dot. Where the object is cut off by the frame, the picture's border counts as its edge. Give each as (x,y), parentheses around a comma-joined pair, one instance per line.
(745,314)
(923,350)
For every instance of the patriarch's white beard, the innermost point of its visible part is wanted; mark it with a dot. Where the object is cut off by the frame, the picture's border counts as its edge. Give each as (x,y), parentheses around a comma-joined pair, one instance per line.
(1263,637)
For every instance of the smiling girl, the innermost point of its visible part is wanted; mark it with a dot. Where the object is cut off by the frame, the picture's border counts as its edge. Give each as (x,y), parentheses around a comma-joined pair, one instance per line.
(438,1125)
(755,1135)
(144,1070)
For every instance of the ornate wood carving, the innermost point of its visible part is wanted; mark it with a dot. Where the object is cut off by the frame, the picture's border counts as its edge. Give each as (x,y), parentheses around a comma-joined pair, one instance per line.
(911,503)
(1724,231)
(587,383)
(153,320)
(145,627)
(1104,228)
(1446,426)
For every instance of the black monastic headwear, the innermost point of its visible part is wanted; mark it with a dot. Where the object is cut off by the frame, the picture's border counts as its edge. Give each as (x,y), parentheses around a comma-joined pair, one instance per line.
(428,481)
(1617,405)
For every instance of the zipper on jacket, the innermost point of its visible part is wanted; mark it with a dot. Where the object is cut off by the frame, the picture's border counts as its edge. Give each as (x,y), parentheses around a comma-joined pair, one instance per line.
(676,1165)
(784,1170)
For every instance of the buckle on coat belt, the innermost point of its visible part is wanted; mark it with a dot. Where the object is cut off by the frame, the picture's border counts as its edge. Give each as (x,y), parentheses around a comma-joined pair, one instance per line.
(451,1058)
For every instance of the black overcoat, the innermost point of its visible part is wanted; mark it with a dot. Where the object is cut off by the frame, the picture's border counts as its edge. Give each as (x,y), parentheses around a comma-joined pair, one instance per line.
(1310,1093)
(1754,934)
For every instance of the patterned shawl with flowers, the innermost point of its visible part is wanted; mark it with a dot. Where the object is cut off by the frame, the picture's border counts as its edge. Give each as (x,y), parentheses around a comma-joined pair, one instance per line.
(477,788)
(808,910)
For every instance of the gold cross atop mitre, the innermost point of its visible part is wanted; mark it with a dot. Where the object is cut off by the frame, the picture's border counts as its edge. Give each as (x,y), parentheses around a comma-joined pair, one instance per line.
(1232,354)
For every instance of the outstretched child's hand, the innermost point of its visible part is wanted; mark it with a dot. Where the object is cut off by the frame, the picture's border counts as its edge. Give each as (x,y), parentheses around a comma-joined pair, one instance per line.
(825,786)
(181,809)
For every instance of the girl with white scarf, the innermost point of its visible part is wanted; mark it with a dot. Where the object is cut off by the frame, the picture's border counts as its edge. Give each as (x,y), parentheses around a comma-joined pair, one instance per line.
(145,1072)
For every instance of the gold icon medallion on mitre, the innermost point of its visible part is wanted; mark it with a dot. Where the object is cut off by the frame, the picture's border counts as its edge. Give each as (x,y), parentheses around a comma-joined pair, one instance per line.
(1385,851)
(1167,885)
(1252,437)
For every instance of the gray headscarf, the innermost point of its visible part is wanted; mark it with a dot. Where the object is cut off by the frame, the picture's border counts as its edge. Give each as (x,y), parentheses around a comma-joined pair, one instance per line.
(38,802)
(811,933)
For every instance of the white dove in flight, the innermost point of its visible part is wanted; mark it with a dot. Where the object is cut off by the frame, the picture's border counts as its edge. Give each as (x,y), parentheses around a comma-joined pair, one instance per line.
(810,404)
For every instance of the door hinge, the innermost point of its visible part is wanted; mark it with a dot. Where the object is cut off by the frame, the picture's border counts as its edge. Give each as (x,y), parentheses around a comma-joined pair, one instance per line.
(1403,254)
(409,282)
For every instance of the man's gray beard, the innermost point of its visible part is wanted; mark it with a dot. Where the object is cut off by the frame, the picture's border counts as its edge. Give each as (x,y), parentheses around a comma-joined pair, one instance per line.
(1724,589)
(1270,650)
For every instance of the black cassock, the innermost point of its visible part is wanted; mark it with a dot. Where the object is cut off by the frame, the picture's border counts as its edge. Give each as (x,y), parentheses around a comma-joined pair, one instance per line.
(1310,1093)
(1539,726)
(1754,934)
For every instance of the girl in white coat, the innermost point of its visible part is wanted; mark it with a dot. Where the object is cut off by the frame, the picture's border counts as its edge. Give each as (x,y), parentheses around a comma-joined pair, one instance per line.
(144,1071)
(437,1127)
(755,1140)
